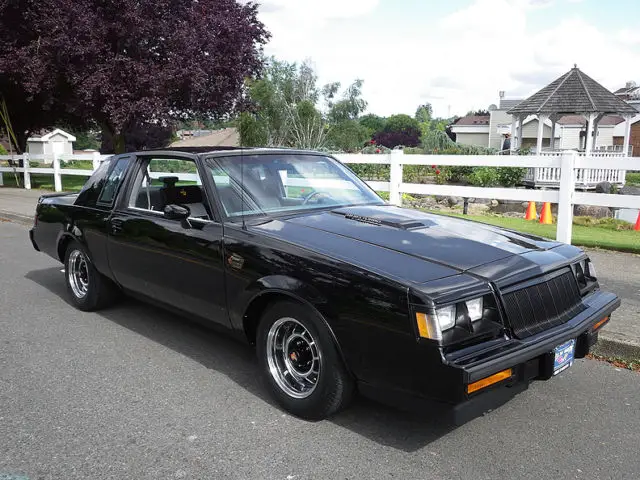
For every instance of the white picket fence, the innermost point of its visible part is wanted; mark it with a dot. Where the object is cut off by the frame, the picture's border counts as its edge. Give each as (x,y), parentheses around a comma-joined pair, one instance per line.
(570,168)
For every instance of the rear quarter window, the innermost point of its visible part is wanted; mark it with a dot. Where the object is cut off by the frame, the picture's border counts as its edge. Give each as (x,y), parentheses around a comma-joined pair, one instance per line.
(114,180)
(92,188)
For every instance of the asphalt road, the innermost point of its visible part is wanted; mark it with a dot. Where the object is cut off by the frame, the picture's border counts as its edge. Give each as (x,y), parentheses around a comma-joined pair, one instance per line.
(134,392)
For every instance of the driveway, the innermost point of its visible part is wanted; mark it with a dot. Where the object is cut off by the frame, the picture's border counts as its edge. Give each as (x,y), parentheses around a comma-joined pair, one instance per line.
(135,392)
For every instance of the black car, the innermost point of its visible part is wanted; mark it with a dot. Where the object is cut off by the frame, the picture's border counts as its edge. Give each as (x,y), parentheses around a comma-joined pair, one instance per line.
(339,291)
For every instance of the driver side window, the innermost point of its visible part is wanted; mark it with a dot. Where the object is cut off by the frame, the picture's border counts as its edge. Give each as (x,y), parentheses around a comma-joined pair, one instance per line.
(169,181)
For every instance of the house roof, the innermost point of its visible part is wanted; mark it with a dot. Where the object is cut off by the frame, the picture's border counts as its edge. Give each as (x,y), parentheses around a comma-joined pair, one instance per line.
(573,92)
(45,135)
(609,120)
(227,136)
(507,104)
(473,120)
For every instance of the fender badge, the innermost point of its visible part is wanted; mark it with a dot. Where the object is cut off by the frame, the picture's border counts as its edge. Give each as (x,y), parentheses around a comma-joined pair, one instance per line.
(235,261)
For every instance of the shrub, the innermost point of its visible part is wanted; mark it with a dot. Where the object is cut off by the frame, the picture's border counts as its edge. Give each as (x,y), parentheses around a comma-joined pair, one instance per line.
(484,177)
(510,176)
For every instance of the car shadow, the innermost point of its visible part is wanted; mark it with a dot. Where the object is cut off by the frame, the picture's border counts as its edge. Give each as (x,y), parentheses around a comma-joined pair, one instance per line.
(236,360)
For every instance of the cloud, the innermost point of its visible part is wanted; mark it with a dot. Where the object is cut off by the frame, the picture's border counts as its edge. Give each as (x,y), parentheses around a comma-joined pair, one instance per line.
(458,61)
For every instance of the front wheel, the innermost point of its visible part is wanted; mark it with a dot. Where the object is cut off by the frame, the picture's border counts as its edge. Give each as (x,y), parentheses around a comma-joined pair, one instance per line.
(301,362)
(89,290)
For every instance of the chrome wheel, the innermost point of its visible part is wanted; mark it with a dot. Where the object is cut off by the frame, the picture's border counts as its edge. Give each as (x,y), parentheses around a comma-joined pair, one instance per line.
(293,357)
(78,273)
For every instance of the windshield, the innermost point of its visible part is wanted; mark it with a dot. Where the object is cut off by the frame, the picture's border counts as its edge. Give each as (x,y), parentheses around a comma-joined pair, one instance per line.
(279,183)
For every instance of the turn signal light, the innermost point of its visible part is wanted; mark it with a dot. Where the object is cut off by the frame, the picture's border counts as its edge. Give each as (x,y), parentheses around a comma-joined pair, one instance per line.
(485,382)
(599,324)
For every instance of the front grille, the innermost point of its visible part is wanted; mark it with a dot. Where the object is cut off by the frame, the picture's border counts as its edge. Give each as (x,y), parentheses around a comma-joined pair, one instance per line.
(552,301)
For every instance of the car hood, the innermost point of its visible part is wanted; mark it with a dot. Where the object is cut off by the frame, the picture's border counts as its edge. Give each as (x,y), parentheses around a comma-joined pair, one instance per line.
(452,243)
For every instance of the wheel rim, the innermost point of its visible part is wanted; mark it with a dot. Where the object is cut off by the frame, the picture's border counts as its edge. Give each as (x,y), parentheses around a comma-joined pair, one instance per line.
(78,273)
(293,357)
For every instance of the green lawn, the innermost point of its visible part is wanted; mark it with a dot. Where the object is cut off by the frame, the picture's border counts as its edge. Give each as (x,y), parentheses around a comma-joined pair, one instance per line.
(586,236)
(70,183)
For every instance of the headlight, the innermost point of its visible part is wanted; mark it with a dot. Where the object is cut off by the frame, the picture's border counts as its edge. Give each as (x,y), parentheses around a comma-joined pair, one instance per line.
(432,326)
(589,269)
(446,317)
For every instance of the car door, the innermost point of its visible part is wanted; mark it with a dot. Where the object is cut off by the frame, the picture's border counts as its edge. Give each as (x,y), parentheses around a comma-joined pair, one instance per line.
(173,262)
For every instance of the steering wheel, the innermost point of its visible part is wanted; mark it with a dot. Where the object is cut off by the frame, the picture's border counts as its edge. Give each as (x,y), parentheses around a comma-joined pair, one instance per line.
(308,198)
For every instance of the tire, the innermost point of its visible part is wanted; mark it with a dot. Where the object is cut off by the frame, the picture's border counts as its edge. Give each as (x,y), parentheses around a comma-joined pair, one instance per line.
(316,383)
(89,290)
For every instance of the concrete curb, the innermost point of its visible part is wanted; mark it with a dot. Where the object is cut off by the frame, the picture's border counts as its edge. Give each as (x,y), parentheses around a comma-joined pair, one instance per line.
(16,217)
(615,348)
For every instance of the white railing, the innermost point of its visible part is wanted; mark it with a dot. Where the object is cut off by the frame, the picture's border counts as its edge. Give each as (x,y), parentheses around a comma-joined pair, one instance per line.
(55,169)
(586,178)
(568,170)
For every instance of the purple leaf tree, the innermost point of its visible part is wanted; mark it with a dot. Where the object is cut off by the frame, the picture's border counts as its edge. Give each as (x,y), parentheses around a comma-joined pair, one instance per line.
(122,63)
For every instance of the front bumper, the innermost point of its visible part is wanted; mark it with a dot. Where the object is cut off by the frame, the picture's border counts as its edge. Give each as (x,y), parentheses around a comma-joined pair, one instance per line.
(530,359)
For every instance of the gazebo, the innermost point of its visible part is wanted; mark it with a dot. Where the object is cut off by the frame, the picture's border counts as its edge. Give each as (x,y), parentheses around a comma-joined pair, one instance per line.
(574,93)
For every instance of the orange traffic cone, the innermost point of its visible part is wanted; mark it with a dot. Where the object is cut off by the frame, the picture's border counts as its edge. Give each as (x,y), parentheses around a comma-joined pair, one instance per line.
(531,212)
(545,215)
(637,227)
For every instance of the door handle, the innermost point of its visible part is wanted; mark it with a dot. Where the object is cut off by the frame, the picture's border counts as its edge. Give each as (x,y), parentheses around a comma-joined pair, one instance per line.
(116,226)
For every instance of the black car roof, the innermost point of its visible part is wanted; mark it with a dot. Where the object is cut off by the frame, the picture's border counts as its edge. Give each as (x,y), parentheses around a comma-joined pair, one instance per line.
(230,151)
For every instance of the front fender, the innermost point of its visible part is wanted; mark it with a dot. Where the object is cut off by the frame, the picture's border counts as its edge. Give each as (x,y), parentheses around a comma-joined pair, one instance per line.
(274,285)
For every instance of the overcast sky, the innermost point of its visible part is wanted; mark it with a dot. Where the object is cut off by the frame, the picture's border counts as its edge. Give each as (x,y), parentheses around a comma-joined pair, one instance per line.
(455,54)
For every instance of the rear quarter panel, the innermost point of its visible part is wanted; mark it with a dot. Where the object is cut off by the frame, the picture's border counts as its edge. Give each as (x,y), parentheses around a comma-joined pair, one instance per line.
(60,221)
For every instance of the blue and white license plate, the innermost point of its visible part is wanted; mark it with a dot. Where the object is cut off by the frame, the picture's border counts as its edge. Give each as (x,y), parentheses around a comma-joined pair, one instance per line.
(563,356)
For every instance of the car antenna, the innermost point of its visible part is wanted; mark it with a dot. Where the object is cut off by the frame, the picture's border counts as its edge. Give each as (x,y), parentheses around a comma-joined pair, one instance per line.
(244,225)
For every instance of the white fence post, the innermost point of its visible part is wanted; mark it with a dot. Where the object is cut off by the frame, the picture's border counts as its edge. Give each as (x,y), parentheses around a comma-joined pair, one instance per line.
(96,160)
(27,176)
(57,179)
(395,177)
(1,180)
(565,196)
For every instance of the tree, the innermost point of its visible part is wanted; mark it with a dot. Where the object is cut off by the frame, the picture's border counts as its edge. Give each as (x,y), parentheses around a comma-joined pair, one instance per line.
(345,132)
(141,136)
(478,113)
(120,63)
(350,106)
(399,130)
(373,123)
(283,108)
(424,113)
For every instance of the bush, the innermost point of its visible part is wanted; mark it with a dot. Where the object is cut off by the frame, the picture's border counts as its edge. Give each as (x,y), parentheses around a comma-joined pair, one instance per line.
(510,176)
(484,177)
(633,178)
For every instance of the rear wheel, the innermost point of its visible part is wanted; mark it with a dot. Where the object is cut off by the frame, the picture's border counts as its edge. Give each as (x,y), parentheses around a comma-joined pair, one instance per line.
(89,290)
(301,363)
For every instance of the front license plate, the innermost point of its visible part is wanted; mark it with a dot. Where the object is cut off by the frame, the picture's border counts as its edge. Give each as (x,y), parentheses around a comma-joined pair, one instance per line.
(563,356)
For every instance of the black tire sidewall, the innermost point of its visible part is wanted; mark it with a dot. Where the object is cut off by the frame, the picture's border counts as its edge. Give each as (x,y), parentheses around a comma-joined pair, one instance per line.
(334,386)
(90,300)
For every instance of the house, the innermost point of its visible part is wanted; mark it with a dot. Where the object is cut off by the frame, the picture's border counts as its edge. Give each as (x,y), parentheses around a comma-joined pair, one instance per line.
(490,130)
(49,142)
(570,134)
(472,130)
(227,137)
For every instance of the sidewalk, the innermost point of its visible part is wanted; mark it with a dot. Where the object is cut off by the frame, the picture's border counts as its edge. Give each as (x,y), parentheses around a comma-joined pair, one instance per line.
(617,272)
(19,204)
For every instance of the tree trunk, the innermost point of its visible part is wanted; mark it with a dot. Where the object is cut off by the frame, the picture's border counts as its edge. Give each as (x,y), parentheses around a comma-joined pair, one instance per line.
(118,143)
(115,141)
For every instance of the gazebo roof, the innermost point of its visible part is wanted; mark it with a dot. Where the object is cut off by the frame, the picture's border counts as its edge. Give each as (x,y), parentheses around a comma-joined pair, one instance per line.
(574,92)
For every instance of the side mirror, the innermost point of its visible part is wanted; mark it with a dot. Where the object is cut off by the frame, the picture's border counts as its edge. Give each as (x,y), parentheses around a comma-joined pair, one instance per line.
(176,212)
